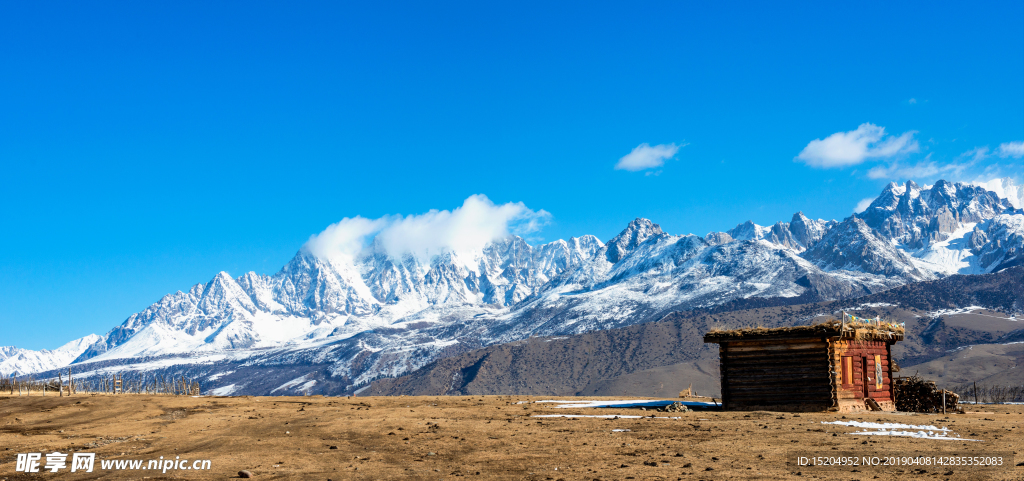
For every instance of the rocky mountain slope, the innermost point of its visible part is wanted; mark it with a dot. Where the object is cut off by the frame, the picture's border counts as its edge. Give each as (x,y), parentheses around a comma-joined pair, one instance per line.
(661,358)
(333,324)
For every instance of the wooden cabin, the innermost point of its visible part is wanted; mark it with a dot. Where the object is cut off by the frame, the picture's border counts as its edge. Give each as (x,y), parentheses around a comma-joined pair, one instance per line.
(837,366)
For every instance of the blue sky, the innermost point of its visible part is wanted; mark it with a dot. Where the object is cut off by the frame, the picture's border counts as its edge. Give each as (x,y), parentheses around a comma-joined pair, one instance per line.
(145,147)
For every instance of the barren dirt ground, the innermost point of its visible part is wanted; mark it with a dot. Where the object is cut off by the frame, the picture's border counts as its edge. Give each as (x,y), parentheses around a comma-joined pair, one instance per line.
(489,437)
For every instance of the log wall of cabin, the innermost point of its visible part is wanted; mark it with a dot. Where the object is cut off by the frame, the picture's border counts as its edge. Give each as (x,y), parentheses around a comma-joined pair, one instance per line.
(849,355)
(791,374)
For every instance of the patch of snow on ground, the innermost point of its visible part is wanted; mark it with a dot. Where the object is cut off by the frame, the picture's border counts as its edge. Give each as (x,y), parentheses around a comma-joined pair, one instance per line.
(858,424)
(891,429)
(969,310)
(915,434)
(877,304)
(600,416)
(292,383)
(218,375)
(637,403)
(357,391)
(223,390)
(950,312)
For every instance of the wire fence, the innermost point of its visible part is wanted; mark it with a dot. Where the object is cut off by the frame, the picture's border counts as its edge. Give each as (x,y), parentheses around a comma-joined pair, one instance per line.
(972,392)
(68,385)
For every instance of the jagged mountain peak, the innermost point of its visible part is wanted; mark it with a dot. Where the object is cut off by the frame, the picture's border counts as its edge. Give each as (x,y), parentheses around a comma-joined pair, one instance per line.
(8,351)
(797,235)
(586,241)
(747,231)
(717,238)
(915,217)
(853,245)
(637,232)
(640,227)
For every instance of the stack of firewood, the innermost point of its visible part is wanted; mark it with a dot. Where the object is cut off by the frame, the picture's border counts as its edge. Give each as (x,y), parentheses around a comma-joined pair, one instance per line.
(914,394)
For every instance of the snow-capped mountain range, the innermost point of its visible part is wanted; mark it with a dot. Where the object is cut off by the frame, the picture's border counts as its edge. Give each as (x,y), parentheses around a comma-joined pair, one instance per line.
(331,325)
(22,361)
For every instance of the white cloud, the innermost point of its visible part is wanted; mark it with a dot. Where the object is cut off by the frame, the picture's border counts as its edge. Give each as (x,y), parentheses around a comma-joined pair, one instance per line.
(1011,149)
(920,171)
(863,205)
(645,156)
(912,101)
(346,238)
(975,154)
(464,229)
(842,149)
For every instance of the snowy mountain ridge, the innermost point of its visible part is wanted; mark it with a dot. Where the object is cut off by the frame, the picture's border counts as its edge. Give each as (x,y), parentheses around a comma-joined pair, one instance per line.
(353,320)
(23,361)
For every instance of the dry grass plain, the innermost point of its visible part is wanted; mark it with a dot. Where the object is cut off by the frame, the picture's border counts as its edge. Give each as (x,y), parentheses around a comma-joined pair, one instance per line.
(484,437)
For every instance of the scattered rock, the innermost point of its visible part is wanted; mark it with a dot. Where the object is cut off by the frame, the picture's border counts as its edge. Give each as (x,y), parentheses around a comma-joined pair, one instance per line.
(245,474)
(333,447)
(675,407)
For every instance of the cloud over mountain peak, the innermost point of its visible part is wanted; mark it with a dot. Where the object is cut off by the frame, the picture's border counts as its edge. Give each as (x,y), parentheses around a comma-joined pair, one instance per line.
(468,228)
